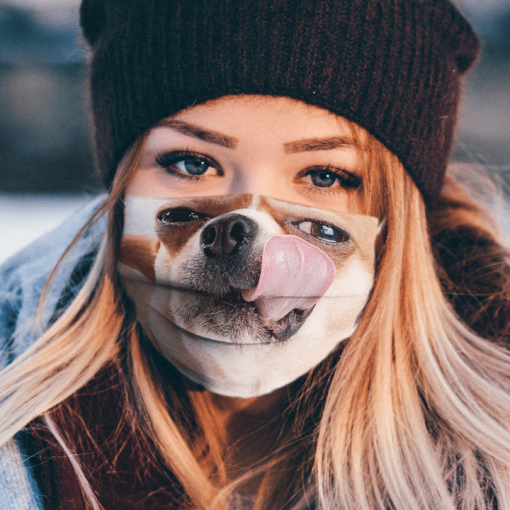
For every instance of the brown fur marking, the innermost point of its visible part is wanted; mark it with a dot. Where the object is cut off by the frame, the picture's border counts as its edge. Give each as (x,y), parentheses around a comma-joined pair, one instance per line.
(176,237)
(139,252)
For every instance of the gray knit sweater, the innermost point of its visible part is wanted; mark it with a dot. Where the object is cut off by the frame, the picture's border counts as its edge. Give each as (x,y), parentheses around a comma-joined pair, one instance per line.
(22,278)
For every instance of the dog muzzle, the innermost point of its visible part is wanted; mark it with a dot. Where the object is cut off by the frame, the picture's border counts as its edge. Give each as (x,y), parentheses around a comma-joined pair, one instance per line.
(244,294)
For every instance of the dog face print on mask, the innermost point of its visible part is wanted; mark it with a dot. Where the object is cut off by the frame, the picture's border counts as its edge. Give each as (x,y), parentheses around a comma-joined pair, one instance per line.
(244,294)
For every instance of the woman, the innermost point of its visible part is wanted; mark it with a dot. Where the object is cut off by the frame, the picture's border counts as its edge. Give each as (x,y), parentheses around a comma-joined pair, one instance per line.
(335,105)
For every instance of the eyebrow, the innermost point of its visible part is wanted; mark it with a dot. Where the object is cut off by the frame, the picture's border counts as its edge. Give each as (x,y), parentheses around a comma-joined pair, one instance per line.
(197,132)
(319,144)
(305,145)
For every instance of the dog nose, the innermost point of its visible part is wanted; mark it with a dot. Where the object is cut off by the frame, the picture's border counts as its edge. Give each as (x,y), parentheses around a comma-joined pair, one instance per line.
(228,234)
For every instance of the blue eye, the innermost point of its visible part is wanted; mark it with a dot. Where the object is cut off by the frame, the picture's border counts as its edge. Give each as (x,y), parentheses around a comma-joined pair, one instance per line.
(323,178)
(192,166)
(328,177)
(185,164)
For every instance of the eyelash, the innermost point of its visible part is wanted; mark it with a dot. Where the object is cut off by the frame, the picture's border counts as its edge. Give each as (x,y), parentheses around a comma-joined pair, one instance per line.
(167,159)
(346,180)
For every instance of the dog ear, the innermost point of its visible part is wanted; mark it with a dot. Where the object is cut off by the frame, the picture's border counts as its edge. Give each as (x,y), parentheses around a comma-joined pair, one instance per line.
(140,252)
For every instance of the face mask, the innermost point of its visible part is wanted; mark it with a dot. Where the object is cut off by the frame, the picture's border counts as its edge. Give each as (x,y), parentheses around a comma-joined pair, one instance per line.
(244,294)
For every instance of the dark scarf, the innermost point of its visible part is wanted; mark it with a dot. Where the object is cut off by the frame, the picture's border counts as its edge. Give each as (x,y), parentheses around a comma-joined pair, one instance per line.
(121,469)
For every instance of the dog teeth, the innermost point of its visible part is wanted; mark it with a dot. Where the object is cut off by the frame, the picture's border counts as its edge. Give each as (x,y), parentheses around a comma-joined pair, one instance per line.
(284,328)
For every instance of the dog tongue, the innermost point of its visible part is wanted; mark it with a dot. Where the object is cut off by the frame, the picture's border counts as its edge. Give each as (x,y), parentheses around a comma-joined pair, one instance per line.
(294,274)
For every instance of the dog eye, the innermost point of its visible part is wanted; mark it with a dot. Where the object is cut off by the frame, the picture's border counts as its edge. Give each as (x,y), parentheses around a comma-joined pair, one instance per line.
(178,216)
(323,231)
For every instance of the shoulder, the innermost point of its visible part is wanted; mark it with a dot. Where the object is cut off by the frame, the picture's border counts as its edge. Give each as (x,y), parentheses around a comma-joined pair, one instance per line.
(23,276)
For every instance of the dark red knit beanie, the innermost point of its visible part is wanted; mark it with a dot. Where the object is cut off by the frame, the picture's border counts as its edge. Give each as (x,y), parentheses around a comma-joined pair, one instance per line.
(392,66)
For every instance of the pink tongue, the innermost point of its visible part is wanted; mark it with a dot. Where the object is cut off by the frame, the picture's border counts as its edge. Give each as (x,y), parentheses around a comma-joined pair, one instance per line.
(294,274)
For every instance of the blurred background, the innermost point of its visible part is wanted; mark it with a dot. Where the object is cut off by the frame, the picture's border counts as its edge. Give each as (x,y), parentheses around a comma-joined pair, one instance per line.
(46,166)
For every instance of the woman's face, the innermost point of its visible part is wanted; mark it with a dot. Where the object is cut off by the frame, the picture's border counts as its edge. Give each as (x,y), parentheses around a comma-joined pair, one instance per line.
(278,147)
(285,282)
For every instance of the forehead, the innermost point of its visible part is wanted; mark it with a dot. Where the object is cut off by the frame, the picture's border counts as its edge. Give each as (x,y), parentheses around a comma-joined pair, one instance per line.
(257,144)
(238,115)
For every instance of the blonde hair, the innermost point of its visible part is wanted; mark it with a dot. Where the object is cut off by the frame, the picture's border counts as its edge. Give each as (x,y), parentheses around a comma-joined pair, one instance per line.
(412,412)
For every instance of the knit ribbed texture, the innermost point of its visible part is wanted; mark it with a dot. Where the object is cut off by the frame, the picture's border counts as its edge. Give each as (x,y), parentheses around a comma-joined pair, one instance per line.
(391,66)
(17,489)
